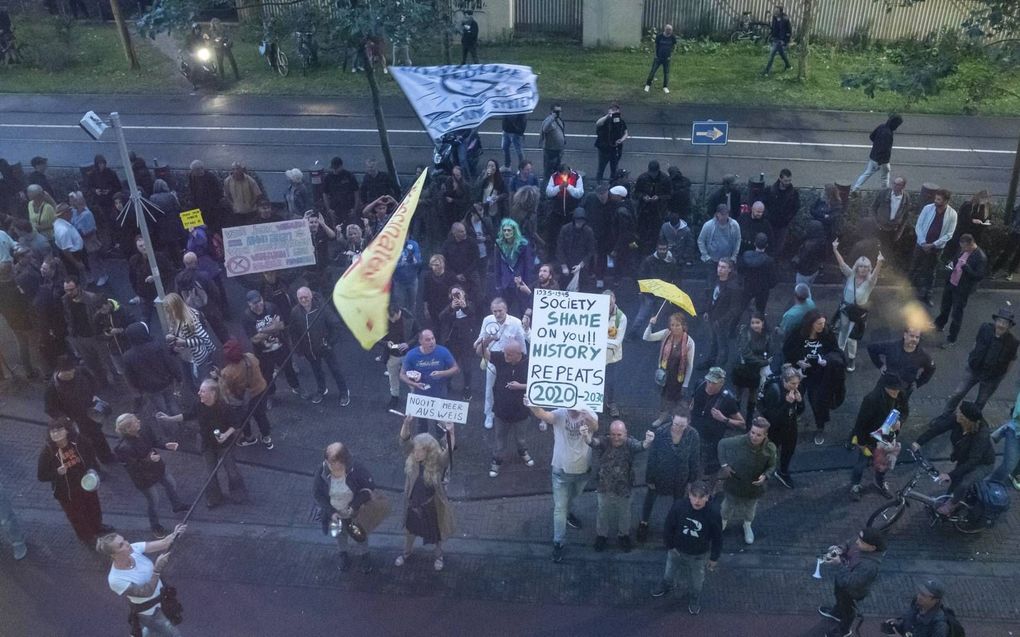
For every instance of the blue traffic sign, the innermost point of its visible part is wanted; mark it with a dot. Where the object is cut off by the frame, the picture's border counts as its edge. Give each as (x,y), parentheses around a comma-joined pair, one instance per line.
(710,133)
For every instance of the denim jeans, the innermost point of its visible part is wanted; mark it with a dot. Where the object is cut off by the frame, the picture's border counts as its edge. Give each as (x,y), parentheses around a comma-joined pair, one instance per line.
(872,168)
(10,529)
(648,305)
(986,388)
(565,487)
(1010,455)
(551,161)
(152,496)
(614,511)
(515,140)
(778,48)
(238,492)
(656,63)
(857,473)
(157,625)
(691,566)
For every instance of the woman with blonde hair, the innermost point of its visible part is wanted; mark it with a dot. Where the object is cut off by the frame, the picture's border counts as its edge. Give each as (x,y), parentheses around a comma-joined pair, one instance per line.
(428,514)
(853,307)
(187,336)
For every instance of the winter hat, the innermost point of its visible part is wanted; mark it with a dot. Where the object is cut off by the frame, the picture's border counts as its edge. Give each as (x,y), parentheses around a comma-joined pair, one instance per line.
(874,537)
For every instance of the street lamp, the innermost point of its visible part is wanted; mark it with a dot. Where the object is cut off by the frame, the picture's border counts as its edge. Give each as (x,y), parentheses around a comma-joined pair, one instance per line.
(95,126)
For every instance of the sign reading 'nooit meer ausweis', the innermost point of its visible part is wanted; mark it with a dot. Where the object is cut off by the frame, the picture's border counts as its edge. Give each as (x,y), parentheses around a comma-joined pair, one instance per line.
(567,359)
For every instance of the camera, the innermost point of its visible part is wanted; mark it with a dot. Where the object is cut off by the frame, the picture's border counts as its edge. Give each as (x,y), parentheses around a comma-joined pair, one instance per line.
(93,125)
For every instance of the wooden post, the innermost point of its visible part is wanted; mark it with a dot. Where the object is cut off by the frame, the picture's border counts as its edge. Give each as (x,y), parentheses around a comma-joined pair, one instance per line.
(380,119)
(1014,181)
(125,35)
(807,27)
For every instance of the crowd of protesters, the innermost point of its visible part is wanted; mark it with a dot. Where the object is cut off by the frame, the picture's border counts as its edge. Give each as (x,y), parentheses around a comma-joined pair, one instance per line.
(461,299)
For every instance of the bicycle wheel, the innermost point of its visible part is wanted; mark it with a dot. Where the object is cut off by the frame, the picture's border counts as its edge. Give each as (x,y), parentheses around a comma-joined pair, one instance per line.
(884,517)
(737,36)
(282,65)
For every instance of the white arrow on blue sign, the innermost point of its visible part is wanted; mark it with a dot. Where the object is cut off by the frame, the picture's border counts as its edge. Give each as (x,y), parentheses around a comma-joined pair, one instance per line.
(710,133)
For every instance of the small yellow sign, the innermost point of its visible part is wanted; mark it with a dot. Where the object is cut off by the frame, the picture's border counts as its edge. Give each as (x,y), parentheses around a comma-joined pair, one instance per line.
(192,219)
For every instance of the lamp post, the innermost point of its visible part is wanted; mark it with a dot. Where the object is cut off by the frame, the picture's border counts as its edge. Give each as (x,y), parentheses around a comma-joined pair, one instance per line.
(95,126)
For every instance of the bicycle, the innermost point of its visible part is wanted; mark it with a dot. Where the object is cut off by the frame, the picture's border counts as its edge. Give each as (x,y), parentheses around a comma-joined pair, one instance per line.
(966,518)
(274,55)
(748,30)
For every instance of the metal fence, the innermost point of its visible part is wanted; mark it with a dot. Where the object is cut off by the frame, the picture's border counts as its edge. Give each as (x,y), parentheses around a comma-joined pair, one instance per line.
(549,16)
(834,19)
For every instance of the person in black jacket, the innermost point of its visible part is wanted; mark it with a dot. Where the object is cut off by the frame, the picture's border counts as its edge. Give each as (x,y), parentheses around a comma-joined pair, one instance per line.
(15,307)
(994,351)
(780,402)
(315,331)
(907,359)
(137,452)
(875,407)
(861,563)
(652,192)
(469,37)
(63,462)
(965,272)
(70,394)
(513,135)
(341,487)
(881,152)
(813,348)
(665,43)
(151,370)
(674,461)
(721,314)
(781,32)
(752,224)
(758,270)
(926,617)
(973,451)
(782,201)
(693,539)
(813,250)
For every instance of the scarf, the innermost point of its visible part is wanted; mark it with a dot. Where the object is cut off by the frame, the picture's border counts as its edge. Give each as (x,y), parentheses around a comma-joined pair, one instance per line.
(666,352)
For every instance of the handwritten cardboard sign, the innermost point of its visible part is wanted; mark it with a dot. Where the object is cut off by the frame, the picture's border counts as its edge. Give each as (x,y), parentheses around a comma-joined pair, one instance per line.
(192,219)
(440,409)
(267,246)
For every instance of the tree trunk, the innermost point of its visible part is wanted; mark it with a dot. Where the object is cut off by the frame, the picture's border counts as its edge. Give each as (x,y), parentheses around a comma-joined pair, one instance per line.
(125,35)
(1014,181)
(380,120)
(807,27)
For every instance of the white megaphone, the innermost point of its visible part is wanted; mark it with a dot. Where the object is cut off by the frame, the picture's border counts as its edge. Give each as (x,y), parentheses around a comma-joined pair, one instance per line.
(818,569)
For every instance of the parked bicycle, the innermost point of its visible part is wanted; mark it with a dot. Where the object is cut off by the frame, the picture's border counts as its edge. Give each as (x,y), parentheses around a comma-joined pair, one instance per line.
(748,30)
(975,513)
(307,49)
(273,54)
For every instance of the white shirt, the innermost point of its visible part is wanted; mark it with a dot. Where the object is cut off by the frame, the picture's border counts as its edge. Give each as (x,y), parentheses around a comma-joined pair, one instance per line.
(510,330)
(139,574)
(66,236)
(340,495)
(895,201)
(571,454)
(6,247)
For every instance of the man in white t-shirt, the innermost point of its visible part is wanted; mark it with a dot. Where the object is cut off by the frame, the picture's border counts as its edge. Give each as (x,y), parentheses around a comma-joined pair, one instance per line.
(135,576)
(500,328)
(68,240)
(571,464)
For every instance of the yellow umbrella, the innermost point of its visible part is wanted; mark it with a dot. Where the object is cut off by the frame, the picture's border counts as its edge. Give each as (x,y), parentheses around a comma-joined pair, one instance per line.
(669,292)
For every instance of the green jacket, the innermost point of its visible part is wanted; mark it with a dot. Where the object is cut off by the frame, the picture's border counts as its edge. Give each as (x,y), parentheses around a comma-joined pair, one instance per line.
(748,462)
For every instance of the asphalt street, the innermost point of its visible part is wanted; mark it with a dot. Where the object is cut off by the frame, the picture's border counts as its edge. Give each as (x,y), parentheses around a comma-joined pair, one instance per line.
(272,134)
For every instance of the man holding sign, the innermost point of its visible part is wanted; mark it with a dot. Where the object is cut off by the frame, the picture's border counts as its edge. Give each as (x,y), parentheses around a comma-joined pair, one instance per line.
(511,367)
(426,370)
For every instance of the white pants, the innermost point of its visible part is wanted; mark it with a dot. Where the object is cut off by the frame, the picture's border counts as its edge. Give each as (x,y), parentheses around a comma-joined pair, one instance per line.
(490,380)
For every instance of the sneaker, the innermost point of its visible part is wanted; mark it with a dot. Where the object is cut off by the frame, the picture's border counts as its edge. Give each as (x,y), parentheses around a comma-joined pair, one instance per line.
(573,521)
(466,396)
(394,402)
(135,300)
(850,365)
(317,398)
(600,543)
(948,345)
(527,459)
(345,562)
(267,441)
(625,544)
(345,400)
(599,284)
(247,442)
(855,492)
(160,532)
(494,470)
(20,550)
(694,606)
(828,611)
(614,411)
(303,395)
(557,555)
(269,403)
(1016,482)
(665,90)
(438,563)
(647,88)
(748,533)
(488,422)
(784,480)
(642,533)
(212,504)
(820,438)
(883,488)
(661,589)
(401,560)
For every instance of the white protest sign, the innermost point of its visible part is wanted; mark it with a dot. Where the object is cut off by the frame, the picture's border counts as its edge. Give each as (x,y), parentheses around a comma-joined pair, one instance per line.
(567,360)
(432,408)
(449,98)
(267,246)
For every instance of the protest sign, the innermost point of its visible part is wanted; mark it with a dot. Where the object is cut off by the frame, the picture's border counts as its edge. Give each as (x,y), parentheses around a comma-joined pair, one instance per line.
(567,360)
(432,408)
(192,219)
(267,246)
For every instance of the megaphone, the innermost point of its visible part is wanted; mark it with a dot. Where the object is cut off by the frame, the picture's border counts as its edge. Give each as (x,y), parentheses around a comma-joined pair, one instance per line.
(818,569)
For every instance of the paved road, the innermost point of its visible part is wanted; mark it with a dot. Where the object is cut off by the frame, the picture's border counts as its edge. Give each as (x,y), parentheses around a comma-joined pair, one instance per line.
(272,134)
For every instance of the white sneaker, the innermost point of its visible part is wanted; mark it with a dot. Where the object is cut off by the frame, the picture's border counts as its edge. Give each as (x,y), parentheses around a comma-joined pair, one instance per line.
(647,88)
(748,533)
(488,422)
(665,90)
(600,284)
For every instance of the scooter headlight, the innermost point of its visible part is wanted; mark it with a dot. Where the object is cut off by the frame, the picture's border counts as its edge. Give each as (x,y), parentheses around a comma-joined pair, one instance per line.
(203,54)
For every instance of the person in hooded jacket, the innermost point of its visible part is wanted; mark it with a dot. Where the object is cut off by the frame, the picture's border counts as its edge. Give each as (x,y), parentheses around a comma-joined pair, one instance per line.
(575,250)
(860,561)
(652,192)
(70,394)
(876,406)
(881,152)
(150,369)
(680,238)
(780,402)
(680,193)
(758,271)
(136,450)
(813,250)
(63,462)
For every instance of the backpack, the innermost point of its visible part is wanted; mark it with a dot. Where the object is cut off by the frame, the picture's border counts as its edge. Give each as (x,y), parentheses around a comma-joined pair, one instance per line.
(955,627)
(196,297)
(993,496)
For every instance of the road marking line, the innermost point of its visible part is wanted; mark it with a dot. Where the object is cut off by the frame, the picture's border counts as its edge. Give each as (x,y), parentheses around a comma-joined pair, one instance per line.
(287,129)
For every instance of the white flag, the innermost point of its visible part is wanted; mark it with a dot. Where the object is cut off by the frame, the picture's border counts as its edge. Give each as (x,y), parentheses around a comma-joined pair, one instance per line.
(449,98)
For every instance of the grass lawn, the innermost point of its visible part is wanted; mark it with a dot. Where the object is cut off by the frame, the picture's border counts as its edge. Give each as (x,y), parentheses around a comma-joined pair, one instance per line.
(707,73)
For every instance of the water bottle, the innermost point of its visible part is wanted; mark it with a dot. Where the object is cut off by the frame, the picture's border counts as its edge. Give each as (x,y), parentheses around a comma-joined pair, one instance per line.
(761,178)
(887,424)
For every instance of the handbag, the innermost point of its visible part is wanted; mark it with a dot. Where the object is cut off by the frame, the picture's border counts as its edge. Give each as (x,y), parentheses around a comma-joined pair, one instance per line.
(660,377)
(371,514)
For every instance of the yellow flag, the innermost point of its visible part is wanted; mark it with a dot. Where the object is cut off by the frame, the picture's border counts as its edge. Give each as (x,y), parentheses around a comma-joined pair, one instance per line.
(362,295)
